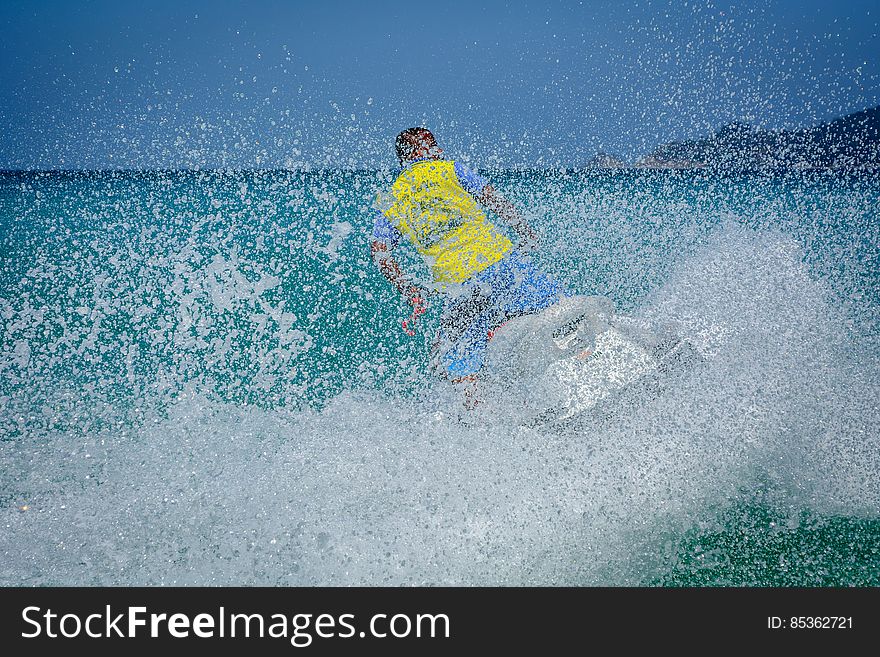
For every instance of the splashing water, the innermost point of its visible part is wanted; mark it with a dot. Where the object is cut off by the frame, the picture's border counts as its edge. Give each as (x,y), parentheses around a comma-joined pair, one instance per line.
(204,381)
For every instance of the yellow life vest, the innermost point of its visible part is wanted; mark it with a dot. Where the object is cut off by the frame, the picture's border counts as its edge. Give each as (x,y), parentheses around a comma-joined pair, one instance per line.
(450,231)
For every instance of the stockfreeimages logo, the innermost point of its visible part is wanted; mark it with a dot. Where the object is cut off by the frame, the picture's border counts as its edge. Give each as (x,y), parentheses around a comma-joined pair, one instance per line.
(300,629)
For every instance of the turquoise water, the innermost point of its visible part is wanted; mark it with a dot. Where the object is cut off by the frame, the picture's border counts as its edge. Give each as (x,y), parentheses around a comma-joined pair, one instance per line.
(205,381)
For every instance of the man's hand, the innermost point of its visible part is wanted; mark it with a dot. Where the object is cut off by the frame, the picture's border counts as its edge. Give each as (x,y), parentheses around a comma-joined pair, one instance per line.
(420,307)
(418,298)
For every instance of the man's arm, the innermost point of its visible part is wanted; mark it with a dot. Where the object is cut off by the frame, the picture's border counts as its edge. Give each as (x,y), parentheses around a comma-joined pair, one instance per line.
(391,270)
(493,200)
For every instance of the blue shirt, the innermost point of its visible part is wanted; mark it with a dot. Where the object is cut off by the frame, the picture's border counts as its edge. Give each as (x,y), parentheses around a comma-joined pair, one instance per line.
(384,230)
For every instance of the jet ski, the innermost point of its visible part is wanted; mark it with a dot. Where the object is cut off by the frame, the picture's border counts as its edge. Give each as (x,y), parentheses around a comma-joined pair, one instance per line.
(581,357)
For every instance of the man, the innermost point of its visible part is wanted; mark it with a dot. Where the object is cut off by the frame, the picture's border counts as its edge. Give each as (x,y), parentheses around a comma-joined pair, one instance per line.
(436,204)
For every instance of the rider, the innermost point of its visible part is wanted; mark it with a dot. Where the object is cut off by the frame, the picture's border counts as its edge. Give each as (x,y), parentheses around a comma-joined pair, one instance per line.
(436,203)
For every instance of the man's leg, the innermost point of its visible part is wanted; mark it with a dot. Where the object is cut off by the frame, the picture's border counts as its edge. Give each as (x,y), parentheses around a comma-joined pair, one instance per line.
(517,288)
(471,387)
(462,360)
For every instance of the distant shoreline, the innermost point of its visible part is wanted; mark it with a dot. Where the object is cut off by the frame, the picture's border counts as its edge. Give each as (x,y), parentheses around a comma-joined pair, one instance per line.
(849,143)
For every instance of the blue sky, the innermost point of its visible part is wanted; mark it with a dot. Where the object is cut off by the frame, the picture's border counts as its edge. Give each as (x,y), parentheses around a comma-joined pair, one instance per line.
(98,84)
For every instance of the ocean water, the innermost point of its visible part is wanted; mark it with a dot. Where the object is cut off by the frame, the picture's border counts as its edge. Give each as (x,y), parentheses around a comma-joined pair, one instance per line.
(204,380)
